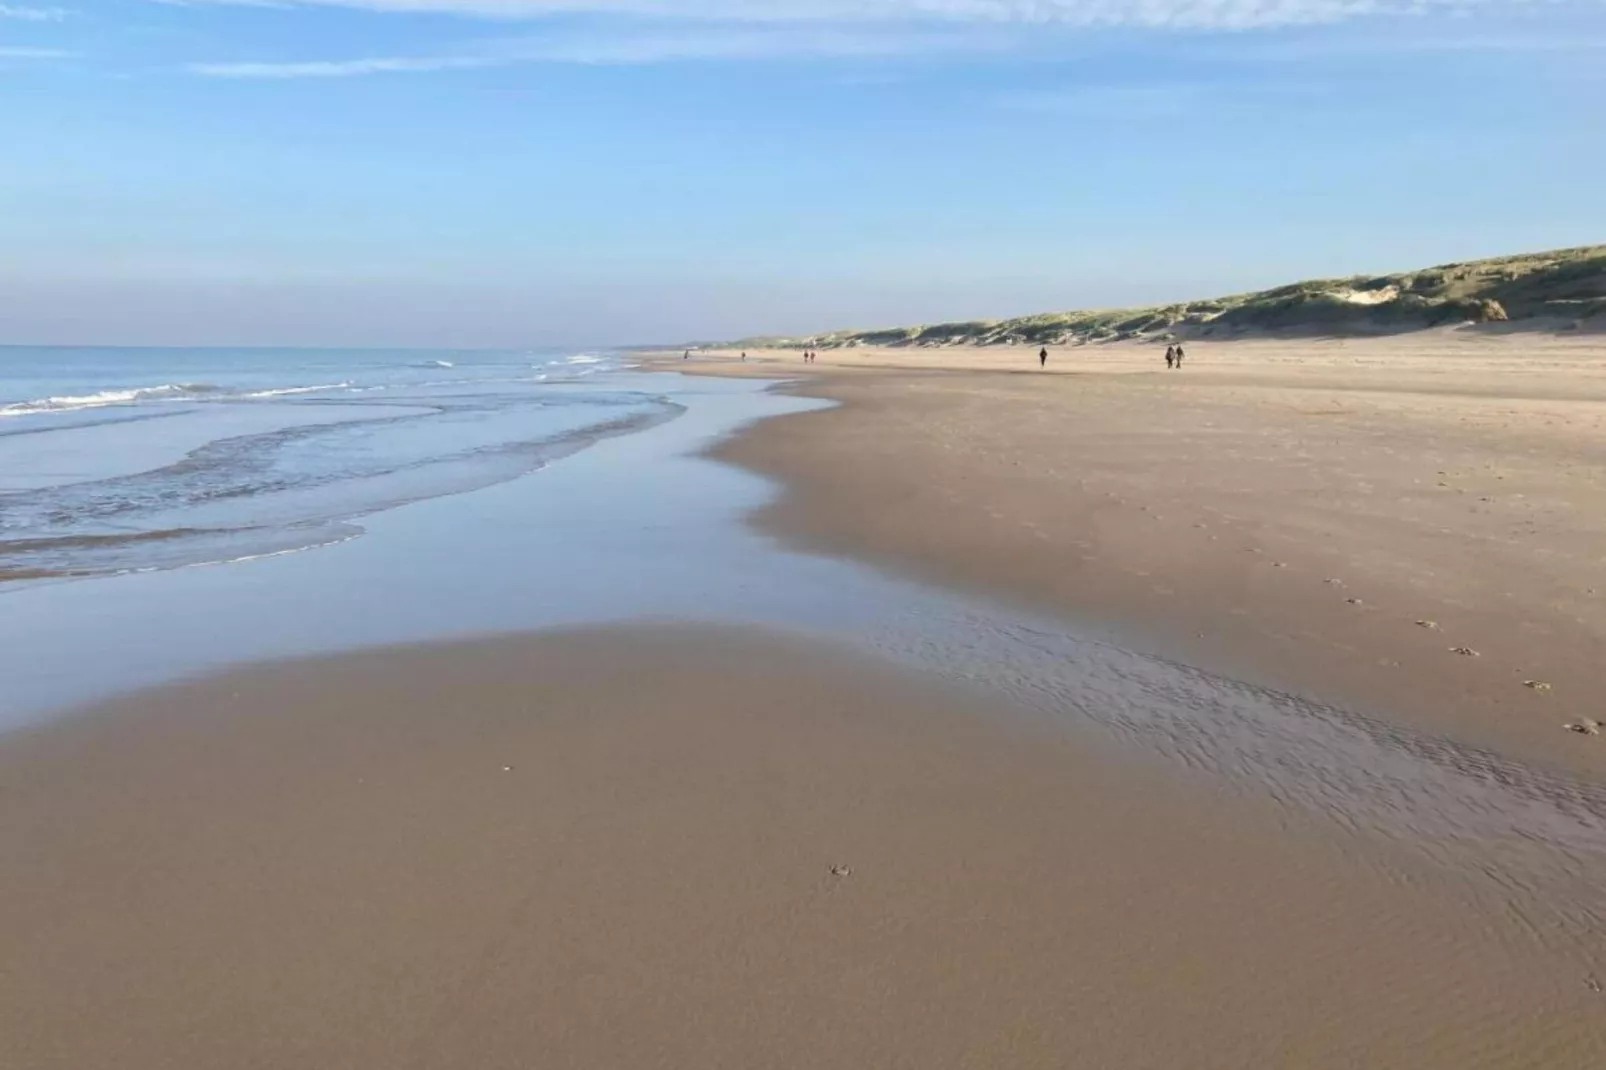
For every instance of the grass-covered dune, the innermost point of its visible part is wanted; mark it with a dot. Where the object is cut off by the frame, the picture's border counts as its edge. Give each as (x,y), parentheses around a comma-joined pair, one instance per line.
(1564,289)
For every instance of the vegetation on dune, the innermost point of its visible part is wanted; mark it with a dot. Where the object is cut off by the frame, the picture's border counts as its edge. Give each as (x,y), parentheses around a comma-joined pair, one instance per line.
(1558,290)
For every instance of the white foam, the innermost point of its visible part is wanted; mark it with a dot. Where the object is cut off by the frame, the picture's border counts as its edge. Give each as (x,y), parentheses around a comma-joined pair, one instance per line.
(71,402)
(290,390)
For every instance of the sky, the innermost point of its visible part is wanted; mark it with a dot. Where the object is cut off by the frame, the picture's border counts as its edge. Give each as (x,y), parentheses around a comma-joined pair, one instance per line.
(583,172)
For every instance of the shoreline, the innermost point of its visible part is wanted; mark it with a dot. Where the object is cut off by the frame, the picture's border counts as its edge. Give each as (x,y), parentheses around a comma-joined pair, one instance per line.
(748,849)
(1210,516)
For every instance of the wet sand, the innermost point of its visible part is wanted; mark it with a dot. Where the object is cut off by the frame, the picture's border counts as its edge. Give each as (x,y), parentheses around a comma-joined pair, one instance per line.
(615,848)
(1335,518)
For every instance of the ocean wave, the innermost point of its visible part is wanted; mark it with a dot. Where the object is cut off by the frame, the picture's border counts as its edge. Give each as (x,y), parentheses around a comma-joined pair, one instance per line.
(290,390)
(71,402)
(164,392)
(583,358)
(248,497)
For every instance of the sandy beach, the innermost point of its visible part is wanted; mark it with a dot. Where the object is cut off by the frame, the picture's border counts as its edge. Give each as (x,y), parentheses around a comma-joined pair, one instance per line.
(735,845)
(695,847)
(1334,517)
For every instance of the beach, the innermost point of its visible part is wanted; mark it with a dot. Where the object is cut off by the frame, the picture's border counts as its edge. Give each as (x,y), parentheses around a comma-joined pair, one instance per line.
(1336,517)
(662,846)
(1104,717)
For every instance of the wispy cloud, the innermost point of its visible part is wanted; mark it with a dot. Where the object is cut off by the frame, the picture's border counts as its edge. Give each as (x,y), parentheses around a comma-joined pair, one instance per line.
(345,68)
(624,32)
(628,47)
(33,14)
(1176,14)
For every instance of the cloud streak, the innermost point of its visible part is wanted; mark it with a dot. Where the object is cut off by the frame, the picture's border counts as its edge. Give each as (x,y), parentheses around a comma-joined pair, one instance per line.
(33,14)
(1174,14)
(346,68)
(638,32)
(663,45)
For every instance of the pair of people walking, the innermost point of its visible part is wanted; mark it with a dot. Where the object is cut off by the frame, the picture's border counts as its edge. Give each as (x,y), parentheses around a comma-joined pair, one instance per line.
(1173,356)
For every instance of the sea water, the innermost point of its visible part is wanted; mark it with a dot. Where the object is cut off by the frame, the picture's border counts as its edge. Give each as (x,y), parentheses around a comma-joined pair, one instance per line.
(122,460)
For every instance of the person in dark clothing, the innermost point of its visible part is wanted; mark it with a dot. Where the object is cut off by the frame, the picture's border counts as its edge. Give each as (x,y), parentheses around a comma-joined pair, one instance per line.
(1179,355)
(1042,357)
(1170,356)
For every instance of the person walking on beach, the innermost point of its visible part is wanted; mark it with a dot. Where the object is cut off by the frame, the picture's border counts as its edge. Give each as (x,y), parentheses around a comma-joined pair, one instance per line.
(1042,357)
(1179,354)
(744,356)
(1170,356)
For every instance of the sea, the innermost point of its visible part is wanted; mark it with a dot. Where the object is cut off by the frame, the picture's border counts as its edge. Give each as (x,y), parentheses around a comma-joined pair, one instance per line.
(123,460)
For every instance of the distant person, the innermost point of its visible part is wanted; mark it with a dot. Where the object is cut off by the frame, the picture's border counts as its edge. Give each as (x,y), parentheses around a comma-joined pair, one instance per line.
(1170,356)
(1179,354)
(744,355)
(1042,357)
(686,355)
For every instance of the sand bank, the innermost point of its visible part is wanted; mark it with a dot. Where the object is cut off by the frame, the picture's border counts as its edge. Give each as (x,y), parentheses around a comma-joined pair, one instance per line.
(616,848)
(1338,518)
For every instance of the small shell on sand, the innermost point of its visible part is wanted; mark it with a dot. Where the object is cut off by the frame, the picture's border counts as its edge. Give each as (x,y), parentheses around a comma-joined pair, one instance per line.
(1431,625)
(841,871)
(1464,651)
(1586,727)
(1355,601)
(1536,685)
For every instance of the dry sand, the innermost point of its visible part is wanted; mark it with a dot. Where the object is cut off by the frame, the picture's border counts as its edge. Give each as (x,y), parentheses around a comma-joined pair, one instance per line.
(1286,511)
(615,849)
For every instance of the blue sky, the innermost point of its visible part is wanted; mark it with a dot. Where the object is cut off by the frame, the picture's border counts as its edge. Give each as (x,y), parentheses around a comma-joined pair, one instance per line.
(523,172)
